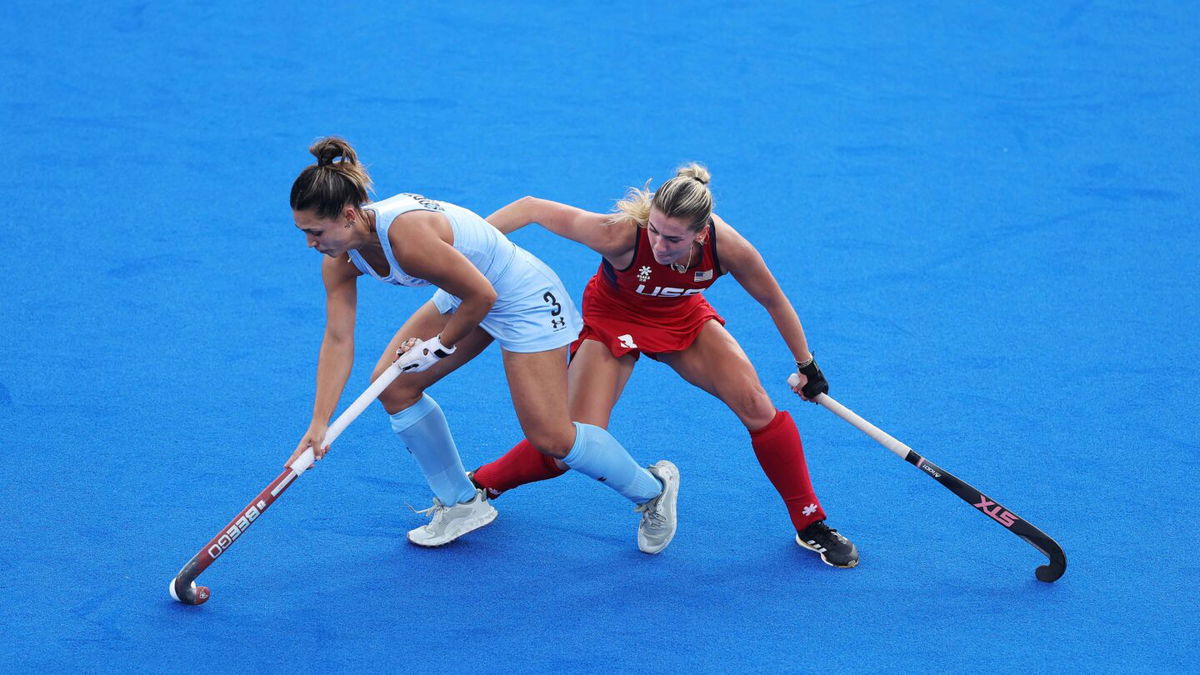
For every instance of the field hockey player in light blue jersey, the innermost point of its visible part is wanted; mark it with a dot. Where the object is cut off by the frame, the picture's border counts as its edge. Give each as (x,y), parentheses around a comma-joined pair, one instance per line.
(488,289)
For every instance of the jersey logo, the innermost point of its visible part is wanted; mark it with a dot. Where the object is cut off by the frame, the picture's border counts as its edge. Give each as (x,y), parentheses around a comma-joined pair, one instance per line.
(702,276)
(627,341)
(644,273)
(667,291)
(425,201)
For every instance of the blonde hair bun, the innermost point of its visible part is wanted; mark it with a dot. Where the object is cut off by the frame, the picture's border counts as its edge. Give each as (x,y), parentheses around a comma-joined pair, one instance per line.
(696,171)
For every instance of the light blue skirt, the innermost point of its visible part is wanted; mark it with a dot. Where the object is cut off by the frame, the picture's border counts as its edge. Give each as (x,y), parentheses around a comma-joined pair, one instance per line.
(533,311)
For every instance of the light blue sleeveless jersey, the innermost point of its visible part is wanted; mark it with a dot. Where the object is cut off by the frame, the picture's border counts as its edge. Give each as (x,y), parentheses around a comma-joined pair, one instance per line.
(533,311)
(485,246)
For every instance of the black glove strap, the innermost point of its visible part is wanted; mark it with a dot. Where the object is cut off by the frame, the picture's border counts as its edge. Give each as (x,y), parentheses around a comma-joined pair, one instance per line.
(816,379)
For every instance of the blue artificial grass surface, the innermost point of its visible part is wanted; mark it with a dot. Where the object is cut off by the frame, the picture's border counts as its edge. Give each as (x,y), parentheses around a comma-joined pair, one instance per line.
(985,214)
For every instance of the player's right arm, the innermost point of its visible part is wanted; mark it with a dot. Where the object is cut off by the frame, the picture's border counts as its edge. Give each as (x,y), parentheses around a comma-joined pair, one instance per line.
(337,350)
(598,231)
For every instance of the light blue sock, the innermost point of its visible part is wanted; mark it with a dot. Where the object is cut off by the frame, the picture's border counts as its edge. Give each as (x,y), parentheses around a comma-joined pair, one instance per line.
(598,455)
(423,428)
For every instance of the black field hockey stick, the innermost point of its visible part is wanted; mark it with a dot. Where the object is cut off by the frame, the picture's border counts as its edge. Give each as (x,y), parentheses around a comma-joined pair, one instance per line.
(183,586)
(1022,528)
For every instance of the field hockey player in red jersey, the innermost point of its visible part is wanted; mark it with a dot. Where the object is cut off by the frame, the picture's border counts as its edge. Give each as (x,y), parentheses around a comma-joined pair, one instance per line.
(659,252)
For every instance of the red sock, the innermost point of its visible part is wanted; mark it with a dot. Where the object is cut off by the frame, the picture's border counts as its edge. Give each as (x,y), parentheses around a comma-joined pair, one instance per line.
(523,464)
(781,456)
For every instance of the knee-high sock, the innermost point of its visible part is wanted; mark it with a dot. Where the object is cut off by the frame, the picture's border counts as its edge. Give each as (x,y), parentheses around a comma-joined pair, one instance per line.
(598,455)
(523,464)
(423,428)
(781,456)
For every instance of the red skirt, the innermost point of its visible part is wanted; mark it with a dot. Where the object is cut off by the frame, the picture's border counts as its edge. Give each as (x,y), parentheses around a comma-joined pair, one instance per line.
(626,328)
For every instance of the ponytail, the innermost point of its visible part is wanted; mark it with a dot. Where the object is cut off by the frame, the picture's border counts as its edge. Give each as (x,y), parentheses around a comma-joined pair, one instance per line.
(337,179)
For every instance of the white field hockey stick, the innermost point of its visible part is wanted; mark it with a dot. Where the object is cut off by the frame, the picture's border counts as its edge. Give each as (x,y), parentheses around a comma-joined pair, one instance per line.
(1023,529)
(183,586)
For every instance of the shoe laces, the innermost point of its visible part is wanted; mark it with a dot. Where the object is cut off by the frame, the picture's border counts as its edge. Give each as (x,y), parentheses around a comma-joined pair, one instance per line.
(819,530)
(432,511)
(651,512)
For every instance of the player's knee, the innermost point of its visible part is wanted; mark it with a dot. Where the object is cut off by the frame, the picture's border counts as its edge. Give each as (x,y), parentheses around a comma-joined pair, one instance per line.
(753,407)
(398,397)
(554,442)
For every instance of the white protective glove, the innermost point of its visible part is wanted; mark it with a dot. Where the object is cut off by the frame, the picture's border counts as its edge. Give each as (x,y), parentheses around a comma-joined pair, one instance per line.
(416,354)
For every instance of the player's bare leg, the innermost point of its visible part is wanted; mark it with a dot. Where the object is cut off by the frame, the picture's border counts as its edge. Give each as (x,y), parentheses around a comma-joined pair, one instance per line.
(595,381)
(426,322)
(538,383)
(458,507)
(716,363)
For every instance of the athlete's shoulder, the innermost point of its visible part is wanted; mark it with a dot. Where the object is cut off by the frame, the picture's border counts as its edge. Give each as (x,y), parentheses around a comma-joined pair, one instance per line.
(734,249)
(722,226)
(621,230)
(411,230)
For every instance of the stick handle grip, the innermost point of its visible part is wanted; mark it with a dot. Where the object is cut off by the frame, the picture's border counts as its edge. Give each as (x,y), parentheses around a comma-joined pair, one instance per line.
(305,460)
(878,435)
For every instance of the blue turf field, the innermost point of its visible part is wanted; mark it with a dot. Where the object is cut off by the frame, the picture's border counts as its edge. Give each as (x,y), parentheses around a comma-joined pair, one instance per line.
(985,212)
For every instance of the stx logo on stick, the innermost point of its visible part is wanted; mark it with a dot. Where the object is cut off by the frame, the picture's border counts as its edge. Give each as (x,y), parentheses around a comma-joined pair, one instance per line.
(236,529)
(997,512)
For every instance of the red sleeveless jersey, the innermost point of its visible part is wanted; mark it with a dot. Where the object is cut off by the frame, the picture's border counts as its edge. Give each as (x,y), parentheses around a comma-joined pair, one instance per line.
(647,306)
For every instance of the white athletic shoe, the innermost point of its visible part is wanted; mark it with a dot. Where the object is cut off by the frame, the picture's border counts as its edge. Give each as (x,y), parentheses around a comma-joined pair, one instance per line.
(448,523)
(657,528)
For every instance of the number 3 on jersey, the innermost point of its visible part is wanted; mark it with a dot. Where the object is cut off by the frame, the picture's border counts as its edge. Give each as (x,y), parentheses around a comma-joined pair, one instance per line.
(556,322)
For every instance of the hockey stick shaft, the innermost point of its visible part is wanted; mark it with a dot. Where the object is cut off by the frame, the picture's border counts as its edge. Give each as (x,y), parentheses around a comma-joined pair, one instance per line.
(878,435)
(968,493)
(183,587)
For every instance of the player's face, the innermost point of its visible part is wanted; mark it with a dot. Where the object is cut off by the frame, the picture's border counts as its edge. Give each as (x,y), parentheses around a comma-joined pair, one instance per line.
(670,238)
(329,236)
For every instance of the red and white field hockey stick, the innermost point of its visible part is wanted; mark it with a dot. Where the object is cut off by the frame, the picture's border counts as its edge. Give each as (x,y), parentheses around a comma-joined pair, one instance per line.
(1023,529)
(183,586)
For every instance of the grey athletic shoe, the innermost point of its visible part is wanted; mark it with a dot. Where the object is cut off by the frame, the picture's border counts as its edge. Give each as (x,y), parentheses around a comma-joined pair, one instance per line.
(448,523)
(657,528)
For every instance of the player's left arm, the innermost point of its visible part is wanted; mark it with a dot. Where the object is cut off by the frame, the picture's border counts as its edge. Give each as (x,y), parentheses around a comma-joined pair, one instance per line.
(746,265)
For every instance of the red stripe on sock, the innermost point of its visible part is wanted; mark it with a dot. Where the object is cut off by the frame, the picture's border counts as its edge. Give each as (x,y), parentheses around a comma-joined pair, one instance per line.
(781,455)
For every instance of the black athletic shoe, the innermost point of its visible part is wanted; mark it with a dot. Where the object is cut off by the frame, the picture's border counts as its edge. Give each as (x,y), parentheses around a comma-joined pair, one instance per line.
(835,549)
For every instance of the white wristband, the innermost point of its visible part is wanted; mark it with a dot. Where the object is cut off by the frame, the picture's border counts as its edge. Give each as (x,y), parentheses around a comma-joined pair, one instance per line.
(423,354)
(440,350)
